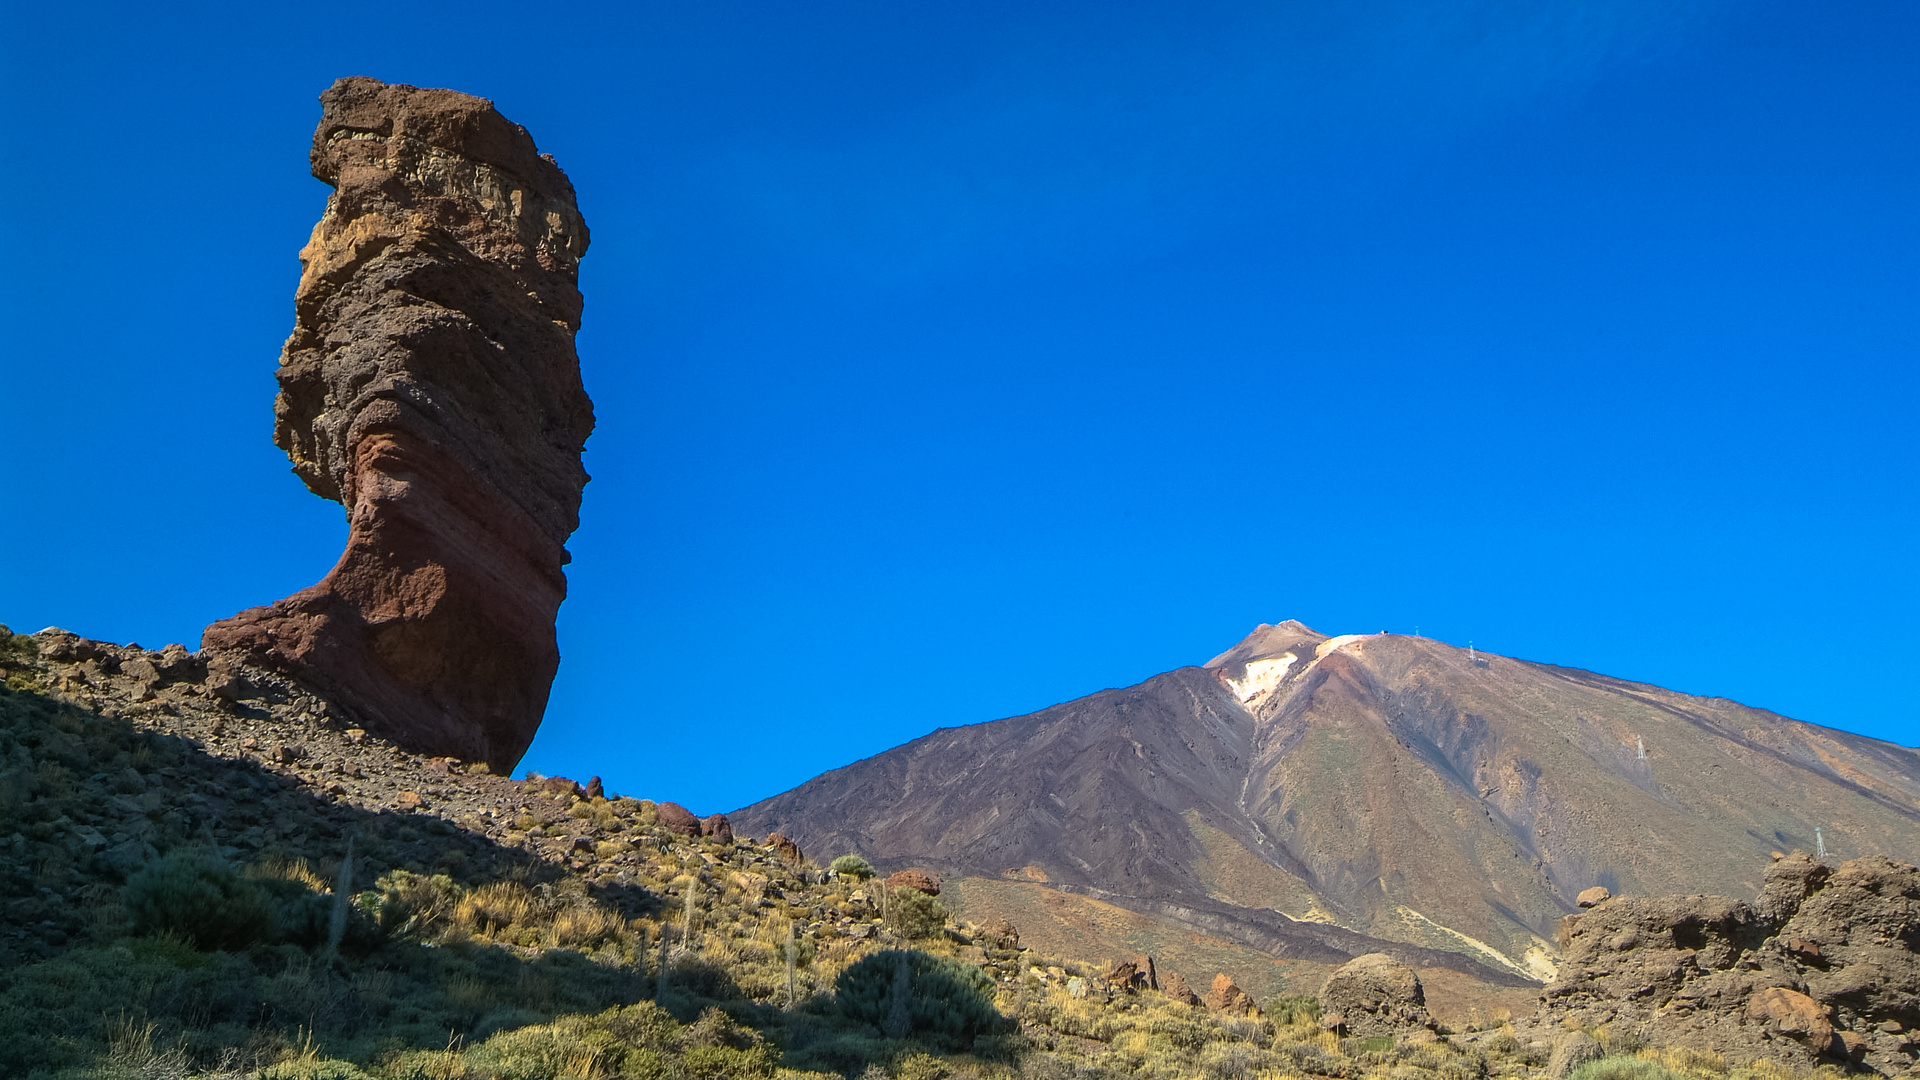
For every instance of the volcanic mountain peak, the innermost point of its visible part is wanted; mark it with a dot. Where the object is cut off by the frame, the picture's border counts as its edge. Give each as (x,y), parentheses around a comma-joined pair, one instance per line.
(1408,792)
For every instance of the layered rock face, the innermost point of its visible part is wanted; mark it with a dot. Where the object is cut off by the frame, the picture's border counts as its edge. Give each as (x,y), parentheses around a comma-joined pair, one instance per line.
(431,387)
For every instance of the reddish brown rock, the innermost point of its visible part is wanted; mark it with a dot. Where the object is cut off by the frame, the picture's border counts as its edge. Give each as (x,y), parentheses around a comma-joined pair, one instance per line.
(432,388)
(1001,934)
(1176,988)
(916,878)
(784,847)
(718,827)
(1793,1014)
(678,819)
(1225,997)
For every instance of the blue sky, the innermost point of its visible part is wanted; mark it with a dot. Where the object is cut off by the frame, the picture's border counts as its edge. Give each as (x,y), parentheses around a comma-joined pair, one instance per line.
(952,361)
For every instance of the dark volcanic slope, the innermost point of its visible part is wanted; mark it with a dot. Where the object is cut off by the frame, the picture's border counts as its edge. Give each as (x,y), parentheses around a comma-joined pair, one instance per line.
(1393,786)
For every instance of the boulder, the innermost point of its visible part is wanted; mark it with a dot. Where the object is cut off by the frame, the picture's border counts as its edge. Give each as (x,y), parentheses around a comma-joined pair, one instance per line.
(431,387)
(1374,995)
(1000,934)
(1570,1051)
(784,847)
(1175,987)
(1594,897)
(1227,998)
(1793,1014)
(677,818)
(916,878)
(718,827)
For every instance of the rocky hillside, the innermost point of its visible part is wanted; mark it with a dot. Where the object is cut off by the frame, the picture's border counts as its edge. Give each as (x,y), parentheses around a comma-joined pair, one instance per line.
(209,872)
(1311,798)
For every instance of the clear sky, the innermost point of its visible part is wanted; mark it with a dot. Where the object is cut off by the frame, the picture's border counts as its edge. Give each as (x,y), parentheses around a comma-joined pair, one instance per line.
(955,360)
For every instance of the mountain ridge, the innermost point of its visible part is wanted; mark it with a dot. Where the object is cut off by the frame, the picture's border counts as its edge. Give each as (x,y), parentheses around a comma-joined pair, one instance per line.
(1412,793)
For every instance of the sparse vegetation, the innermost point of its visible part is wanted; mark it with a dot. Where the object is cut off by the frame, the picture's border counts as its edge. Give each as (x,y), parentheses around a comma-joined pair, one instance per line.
(914,915)
(852,866)
(459,959)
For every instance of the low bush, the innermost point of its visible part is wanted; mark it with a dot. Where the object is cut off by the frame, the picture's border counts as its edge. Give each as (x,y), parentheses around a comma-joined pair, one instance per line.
(197,895)
(946,1004)
(914,915)
(1624,1068)
(851,866)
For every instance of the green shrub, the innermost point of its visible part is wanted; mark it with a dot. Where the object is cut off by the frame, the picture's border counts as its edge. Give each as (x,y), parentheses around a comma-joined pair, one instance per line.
(851,866)
(1294,1008)
(199,896)
(948,1004)
(913,914)
(1623,1068)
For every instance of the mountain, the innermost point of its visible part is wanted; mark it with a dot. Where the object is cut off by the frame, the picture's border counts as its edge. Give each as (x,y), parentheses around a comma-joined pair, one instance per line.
(1308,798)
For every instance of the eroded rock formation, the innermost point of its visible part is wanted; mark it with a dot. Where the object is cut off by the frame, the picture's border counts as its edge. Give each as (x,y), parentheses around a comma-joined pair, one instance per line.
(1825,967)
(1374,995)
(431,387)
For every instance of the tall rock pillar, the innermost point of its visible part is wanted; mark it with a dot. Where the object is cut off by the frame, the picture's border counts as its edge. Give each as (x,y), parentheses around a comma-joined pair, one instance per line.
(431,387)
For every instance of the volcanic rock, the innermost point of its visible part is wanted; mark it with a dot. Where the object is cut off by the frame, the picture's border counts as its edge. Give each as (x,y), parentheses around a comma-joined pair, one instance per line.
(1374,995)
(431,387)
(916,878)
(784,847)
(1593,897)
(678,818)
(718,827)
(1175,987)
(1225,997)
(1570,1051)
(1825,966)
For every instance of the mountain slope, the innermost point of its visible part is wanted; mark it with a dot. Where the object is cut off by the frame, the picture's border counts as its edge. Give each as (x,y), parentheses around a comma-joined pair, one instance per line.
(1393,787)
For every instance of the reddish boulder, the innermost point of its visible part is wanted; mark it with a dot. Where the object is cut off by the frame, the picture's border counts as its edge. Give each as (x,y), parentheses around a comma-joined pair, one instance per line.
(432,388)
(916,878)
(678,819)
(784,847)
(718,827)
(1227,998)
(1176,988)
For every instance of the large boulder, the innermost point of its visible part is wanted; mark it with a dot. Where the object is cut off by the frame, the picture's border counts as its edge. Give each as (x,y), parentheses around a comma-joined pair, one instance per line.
(1374,995)
(431,387)
(916,878)
(677,818)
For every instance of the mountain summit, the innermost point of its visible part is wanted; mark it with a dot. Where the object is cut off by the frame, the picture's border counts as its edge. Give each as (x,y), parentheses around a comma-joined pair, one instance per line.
(1309,796)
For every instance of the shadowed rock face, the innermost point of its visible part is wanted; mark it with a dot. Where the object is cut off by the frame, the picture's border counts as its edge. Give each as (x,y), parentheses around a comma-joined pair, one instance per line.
(431,387)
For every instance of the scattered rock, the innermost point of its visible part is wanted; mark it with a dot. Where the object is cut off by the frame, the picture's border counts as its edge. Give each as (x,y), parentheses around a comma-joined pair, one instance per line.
(1570,1051)
(1001,934)
(1135,974)
(1594,897)
(784,848)
(916,878)
(1374,995)
(1175,987)
(431,386)
(678,819)
(1227,998)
